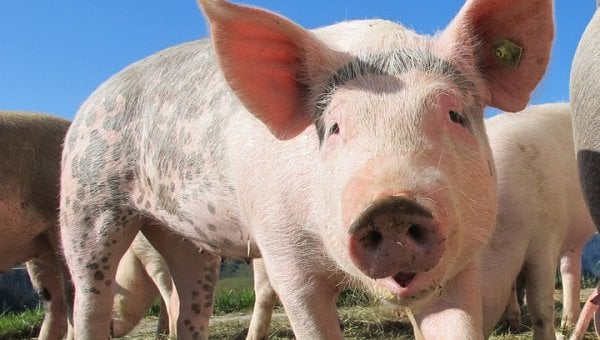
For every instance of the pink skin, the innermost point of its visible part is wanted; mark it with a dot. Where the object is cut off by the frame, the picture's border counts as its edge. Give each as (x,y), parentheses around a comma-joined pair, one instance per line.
(258,163)
(589,312)
(265,299)
(541,216)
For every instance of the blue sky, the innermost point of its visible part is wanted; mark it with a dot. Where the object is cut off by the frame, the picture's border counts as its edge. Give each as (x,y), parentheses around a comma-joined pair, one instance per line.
(53,54)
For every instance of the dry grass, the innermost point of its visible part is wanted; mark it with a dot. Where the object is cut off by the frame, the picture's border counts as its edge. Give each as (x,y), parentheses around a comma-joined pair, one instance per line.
(358,322)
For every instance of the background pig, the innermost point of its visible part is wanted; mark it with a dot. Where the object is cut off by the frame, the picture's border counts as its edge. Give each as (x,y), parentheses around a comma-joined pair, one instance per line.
(541,216)
(355,152)
(586,129)
(30,148)
(143,275)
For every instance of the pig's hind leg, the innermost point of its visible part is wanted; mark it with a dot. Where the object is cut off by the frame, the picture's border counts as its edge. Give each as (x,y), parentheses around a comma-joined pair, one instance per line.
(540,271)
(94,241)
(195,273)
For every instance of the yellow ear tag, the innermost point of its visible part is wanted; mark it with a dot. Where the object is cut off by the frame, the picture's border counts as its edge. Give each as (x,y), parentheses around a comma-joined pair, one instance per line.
(508,53)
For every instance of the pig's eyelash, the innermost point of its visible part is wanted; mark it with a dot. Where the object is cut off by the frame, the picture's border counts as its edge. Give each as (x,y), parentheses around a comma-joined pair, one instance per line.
(457,117)
(333,130)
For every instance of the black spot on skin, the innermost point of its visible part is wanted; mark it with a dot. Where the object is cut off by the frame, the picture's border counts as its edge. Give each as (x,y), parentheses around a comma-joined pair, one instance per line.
(92,266)
(113,241)
(107,244)
(588,163)
(211,208)
(80,193)
(99,275)
(129,176)
(212,227)
(106,267)
(196,308)
(207,304)
(104,259)
(208,277)
(90,118)
(196,335)
(148,205)
(192,328)
(195,294)
(108,283)
(93,290)
(140,199)
(207,287)
(186,322)
(109,104)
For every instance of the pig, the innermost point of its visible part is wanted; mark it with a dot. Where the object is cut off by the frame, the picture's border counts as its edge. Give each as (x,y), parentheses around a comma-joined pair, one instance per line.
(141,276)
(30,148)
(264,302)
(541,216)
(373,138)
(584,89)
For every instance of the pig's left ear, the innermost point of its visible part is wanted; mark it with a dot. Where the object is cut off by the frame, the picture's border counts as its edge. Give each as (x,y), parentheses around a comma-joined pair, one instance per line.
(510,41)
(267,61)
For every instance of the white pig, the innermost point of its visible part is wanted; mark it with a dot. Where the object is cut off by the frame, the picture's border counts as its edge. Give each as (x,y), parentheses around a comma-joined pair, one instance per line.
(354,152)
(541,215)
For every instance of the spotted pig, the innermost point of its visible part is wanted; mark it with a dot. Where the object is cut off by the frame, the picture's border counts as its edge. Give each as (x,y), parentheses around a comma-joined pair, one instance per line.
(351,153)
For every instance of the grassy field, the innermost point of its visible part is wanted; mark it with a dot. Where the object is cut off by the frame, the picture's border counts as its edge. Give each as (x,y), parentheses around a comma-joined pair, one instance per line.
(361,318)
(21,326)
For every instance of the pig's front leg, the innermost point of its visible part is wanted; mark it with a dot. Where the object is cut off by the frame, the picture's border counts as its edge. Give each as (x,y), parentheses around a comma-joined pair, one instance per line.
(307,294)
(264,303)
(457,314)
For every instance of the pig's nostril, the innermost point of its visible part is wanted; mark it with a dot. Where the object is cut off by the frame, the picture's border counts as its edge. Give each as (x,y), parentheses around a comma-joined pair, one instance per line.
(372,239)
(417,233)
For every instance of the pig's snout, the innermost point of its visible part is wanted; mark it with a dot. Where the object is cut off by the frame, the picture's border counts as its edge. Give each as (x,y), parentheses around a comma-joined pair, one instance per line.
(395,235)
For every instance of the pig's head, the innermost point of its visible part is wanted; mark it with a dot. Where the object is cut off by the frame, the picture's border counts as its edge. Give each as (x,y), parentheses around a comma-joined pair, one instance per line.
(407,187)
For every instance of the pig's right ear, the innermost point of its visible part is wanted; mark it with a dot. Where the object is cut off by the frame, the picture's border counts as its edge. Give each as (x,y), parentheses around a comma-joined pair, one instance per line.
(266,60)
(510,41)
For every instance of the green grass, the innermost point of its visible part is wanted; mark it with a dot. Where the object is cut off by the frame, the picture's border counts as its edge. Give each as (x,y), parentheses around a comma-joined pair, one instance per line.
(235,284)
(360,315)
(233,301)
(22,325)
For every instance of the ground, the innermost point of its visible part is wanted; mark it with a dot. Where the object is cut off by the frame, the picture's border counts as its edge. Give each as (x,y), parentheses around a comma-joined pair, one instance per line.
(358,323)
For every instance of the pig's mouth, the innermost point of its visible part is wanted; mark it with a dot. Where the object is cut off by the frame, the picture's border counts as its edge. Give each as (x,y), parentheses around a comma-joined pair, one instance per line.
(404,279)
(408,286)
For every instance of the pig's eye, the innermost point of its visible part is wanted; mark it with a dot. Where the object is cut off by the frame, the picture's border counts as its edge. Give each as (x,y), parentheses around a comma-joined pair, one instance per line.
(457,118)
(333,130)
